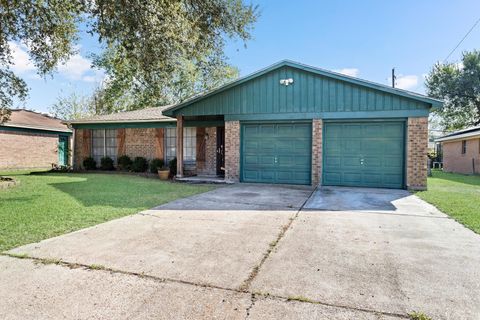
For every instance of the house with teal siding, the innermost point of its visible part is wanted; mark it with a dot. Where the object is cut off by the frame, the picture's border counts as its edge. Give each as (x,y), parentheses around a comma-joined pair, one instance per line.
(288,124)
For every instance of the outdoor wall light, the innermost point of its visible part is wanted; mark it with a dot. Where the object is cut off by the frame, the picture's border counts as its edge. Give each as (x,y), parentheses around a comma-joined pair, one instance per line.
(286,82)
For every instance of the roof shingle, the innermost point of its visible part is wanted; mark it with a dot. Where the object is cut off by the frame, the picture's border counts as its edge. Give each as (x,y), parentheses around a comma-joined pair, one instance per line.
(147,114)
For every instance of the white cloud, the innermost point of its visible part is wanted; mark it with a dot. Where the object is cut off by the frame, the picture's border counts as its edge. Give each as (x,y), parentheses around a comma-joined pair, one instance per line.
(94,76)
(352,72)
(406,82)
(75,68)
(20,60)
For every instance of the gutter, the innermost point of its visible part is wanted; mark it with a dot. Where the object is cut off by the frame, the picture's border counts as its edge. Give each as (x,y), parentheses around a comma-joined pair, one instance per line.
(469,135)
(25,126)
(118,121)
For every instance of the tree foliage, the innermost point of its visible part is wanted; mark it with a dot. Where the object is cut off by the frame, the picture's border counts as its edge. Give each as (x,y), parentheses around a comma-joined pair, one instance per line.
(129,88)
(146,40)
(73,106)
(458,84)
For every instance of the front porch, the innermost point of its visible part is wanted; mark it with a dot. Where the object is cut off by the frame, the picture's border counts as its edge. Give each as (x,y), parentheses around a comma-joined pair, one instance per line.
(204,179)
(209,150)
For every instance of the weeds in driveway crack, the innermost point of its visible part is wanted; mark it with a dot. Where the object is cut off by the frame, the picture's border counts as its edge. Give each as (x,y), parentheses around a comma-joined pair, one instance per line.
(418,316)
(272,245)
(254,296)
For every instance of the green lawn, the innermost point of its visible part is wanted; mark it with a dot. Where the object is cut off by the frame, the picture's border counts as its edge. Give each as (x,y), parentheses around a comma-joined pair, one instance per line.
(457,195)
(46,205)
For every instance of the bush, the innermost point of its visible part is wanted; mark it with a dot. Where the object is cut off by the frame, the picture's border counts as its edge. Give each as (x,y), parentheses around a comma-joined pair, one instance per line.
(173,167)
(140,164)
(106,163)
(156,164)
(124,163)
(89,163)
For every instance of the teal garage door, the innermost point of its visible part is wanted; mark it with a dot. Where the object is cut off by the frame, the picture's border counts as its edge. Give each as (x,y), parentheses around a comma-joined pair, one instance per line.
(276,153)
(364,154)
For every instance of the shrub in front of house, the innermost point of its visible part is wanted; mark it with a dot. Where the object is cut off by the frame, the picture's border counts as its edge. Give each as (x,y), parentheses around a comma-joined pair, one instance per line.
(106,163)
(124,163)
(173,167)
(140,164)
(89,163)
(156,164)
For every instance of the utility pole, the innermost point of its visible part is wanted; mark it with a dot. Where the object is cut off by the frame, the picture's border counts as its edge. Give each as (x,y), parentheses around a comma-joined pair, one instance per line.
(393,78)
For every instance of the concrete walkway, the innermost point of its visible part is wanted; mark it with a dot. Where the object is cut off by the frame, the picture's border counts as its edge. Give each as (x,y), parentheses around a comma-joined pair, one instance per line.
(256,252)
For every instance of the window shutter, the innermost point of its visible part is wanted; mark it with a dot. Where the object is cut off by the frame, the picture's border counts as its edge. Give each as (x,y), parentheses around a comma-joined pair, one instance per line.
(200,146)
(121,142)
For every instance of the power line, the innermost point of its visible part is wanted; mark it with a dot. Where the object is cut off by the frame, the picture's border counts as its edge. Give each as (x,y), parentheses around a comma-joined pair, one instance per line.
(466,35)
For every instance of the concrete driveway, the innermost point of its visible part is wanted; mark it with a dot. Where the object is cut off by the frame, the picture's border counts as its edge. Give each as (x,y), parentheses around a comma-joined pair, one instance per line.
(256,252)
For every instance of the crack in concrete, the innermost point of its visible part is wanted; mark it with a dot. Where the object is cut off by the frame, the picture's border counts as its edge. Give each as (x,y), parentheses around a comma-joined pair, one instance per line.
(253,299)
(246,284)
(333,305)
(253,295)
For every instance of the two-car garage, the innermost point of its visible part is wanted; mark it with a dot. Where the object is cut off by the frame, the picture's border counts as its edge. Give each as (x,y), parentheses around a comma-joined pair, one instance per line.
(295,124)
(354,153)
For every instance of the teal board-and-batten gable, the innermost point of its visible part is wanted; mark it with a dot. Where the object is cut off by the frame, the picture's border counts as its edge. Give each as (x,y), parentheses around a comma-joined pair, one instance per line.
(314,93)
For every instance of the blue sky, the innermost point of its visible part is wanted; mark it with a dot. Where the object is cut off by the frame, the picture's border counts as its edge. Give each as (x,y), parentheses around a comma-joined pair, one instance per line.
(361,38)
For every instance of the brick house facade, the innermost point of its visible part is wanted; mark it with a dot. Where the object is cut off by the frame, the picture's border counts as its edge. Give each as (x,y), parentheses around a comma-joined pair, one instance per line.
(30,140)
(150,144)
(461,151)
(316,128)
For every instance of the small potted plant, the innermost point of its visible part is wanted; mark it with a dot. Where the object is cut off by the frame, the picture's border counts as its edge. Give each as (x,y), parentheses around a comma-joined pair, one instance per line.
(158,165)
(163,173)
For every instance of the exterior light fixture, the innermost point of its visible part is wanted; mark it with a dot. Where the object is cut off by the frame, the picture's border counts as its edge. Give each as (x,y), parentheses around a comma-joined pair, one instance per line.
(286,82)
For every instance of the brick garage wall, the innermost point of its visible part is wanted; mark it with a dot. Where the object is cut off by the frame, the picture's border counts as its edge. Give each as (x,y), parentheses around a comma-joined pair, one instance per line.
(455,161)
(417,146)
(316,151)
(23,150)
(207,163)
(232,151)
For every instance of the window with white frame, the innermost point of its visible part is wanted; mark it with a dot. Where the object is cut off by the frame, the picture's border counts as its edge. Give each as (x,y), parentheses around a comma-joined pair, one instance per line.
(104,144)
(189,144)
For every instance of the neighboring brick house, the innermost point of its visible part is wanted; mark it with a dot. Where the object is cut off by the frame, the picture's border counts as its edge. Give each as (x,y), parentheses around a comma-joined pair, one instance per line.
(31,140)
(461,151)
(289,123)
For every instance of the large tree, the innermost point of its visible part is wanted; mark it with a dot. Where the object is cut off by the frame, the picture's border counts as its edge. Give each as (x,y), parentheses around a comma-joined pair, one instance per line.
(458,84)
(128,87)
(149,38)
(73,106)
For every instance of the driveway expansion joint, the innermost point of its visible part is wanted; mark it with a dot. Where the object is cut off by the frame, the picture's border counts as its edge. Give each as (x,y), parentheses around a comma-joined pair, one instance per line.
(253,274)
(253,299)
(253,295)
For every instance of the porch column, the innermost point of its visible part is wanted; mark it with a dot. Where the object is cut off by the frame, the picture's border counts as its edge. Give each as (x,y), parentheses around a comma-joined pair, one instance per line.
(179,146)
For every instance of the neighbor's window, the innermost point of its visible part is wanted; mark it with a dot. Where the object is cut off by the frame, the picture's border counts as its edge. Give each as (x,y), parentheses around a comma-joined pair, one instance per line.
(104,144)
(189,144)
(464,146)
